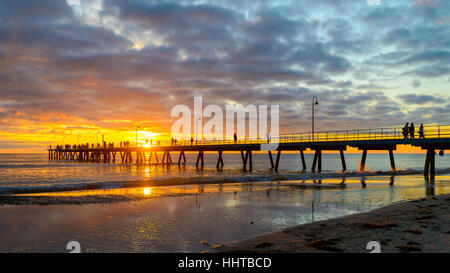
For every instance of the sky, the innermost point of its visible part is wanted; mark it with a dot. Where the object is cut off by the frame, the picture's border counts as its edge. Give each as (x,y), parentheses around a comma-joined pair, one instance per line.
(71,72)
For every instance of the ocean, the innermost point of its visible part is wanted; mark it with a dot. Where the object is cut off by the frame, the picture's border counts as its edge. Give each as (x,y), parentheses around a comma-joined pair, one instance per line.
(28,173)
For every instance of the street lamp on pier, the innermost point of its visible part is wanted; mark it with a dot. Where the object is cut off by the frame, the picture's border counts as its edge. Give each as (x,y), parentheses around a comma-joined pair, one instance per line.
(137,127)
(314,103)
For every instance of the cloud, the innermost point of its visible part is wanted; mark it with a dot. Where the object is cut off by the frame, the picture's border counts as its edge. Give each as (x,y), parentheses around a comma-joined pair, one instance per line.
(416,83)
(420,99)
(425,3)
(75,67)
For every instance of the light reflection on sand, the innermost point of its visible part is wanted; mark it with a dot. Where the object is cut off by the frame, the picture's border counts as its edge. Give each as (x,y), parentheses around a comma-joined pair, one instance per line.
(215,213)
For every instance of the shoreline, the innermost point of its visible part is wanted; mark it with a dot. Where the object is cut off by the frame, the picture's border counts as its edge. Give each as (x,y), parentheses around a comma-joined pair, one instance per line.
(421,225)
(109,196)
(183,181)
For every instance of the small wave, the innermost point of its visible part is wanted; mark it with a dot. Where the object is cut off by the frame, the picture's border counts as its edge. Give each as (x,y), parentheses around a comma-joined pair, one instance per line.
(170,181)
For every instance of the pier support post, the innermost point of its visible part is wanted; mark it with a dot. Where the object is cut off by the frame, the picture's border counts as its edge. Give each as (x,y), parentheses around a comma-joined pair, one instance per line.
(344,166)
(164,158)
(200,157)
(317,160)
(302,155)
(277,161)
(219,164)
(150,157)
(181,156)
(363,160)
(245,159)
(203,160)
(391,158)
(169,158)
(271,159)
(430,163)
(313,166)
(249,152)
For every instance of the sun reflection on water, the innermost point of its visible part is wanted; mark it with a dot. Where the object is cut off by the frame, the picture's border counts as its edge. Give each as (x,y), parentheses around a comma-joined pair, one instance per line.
(147,191)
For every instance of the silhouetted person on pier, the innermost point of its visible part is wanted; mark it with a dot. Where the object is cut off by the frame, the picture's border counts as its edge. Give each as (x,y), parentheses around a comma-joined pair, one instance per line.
(411,130)
(405,131)
(192,141)
(421,133)
(235,137)
(268,136)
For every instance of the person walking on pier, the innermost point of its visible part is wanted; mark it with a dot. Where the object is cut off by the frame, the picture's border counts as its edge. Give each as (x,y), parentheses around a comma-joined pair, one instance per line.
(268,136)
(405,131)
(421,133)
(411,131)
(192,141)
(235,137)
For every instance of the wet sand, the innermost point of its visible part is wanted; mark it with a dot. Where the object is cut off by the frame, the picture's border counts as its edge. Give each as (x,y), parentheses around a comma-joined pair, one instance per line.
(197,218)
(421,225)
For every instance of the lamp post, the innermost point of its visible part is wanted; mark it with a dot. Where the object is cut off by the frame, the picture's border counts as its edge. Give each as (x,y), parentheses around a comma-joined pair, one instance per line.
(63,139)
(196,129)
(314,103)
(137,127)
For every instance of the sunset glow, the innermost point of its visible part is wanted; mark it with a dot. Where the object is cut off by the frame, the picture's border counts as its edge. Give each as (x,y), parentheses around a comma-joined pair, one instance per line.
(366,72)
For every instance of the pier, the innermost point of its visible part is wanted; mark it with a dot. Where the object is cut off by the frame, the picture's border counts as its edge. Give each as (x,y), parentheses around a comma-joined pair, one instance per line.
(437,139)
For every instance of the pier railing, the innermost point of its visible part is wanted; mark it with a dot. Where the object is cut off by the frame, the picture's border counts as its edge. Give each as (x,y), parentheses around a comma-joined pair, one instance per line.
(389,133)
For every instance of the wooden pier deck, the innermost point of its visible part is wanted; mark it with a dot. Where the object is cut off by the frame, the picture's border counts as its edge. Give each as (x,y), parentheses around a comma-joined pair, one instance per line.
(437,138)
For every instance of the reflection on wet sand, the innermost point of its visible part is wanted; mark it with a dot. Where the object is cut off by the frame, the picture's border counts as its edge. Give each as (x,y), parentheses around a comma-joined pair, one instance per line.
(184,216)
